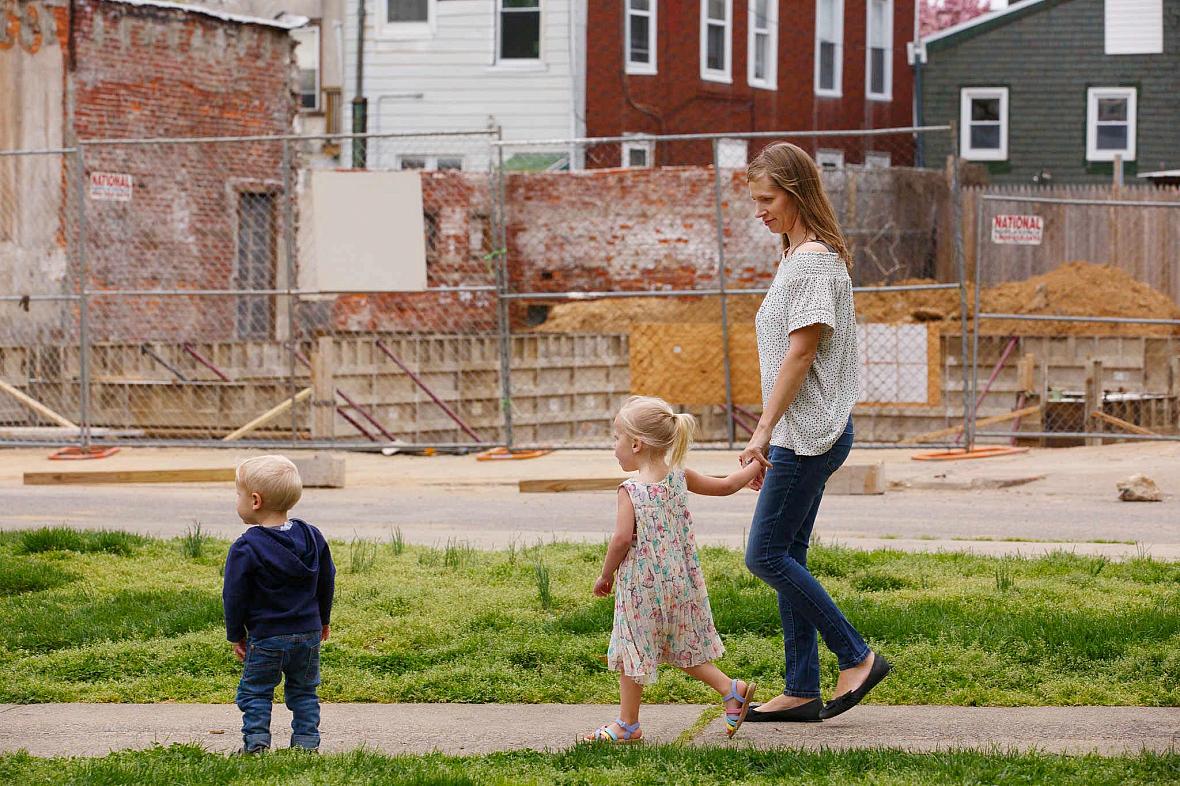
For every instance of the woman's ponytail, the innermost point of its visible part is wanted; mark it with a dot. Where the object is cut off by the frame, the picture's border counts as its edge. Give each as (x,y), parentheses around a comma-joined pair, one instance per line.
(685,430)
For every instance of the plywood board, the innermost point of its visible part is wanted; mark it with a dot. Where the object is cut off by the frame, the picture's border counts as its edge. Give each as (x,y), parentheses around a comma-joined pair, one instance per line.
(214,475)
(684,363)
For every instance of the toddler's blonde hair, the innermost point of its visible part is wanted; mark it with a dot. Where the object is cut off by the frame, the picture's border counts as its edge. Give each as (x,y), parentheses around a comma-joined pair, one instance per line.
(274,478)
(652,421)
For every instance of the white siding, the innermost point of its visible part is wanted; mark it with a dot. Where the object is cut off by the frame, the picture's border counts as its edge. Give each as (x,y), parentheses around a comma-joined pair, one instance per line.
(1134,27)
(450,81)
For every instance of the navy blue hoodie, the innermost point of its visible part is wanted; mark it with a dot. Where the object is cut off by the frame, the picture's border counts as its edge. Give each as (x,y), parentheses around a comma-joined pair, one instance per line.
(278,582)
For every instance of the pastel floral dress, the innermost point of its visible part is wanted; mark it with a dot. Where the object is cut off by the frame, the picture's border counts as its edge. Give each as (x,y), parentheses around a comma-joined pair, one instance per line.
(661,607)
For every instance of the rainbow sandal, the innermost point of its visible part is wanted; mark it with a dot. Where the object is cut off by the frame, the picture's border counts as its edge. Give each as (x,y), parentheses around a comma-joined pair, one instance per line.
(735,718)
(604,734)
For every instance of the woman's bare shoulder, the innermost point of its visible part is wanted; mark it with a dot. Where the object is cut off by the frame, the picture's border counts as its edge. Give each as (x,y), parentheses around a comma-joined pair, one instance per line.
(813,247)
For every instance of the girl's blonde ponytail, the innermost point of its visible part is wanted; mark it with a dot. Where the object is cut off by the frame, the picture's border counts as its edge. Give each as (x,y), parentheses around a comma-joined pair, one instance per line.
(652,421)
(686,427)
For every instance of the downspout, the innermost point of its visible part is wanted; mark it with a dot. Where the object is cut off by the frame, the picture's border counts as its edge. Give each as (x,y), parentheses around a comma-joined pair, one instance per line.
(360,104)
(919,55)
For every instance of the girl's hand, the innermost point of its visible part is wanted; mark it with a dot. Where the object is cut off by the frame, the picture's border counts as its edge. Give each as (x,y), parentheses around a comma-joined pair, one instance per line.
(756,450)
(603,586)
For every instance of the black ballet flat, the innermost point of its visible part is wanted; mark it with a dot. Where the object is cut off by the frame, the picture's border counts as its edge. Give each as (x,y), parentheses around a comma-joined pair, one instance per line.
(804,713)
(841,704)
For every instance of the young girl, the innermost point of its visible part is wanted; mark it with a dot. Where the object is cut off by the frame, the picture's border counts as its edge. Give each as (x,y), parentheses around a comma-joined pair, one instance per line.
(661,607)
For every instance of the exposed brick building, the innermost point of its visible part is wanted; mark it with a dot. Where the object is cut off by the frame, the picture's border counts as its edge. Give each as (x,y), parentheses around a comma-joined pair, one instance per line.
(199,216)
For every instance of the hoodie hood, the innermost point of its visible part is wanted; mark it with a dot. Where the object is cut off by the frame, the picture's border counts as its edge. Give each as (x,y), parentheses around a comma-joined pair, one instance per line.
(291,554)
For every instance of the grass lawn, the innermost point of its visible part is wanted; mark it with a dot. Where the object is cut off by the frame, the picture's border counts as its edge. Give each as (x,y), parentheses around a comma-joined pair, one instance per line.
(111,617)
(594,765)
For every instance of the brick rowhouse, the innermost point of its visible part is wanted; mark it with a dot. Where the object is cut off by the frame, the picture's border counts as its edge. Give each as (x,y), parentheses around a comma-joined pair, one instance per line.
(676,100)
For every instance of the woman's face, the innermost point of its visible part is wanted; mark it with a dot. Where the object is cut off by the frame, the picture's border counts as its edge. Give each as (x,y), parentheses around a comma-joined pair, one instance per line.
(772,206)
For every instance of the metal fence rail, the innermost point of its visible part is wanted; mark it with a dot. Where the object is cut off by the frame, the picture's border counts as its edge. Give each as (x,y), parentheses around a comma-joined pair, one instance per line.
(170,291)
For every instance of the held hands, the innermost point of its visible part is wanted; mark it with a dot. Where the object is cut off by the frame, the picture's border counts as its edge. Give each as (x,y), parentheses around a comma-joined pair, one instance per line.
(603,586)
(240,650)
(755,452)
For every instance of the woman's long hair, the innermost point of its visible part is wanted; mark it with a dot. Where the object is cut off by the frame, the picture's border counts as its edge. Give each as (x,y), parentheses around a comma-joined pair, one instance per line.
(790,168)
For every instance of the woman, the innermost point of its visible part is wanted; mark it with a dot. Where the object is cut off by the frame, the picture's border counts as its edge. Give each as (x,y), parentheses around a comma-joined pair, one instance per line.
(806,331)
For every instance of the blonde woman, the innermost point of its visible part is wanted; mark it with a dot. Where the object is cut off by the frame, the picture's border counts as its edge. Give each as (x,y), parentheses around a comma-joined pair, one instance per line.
(806,331)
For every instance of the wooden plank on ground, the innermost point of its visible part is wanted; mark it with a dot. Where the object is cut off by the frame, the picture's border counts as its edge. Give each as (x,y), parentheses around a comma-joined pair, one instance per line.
(849,479)
(206,475)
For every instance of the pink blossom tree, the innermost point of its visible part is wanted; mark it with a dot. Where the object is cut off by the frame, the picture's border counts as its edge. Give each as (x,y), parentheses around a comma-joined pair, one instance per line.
(938,15)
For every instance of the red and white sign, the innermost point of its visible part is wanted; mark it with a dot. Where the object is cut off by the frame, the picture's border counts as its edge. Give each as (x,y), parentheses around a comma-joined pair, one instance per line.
(110,186)
(1021,230)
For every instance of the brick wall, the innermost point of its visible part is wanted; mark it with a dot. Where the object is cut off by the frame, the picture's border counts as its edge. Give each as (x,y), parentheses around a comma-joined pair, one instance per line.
(143,72)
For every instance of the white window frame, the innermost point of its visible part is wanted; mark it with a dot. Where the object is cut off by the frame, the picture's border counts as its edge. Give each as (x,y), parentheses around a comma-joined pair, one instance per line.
(771,33)
(838,66)
(430,161)
(648,146)
(1092,96)
(966,95)
(652,15)
(878,159)
(297,33)
(522,63)
(724,75)
(887,94)
(406,30)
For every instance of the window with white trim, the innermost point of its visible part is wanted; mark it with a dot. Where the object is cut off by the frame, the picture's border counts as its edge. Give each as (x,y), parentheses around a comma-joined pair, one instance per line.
(716,51)
(1110,123)
(878,159)
(641,36)
(519,30)
(307,64)
(1134,27)
(762,60)
(407,18)
(733,153)
(638,154)
(983,123)
(829,47)
(430,163)
(879,52)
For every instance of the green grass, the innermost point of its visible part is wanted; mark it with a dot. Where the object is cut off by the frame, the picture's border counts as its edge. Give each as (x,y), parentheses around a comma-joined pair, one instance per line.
(479,626)
(586,764)
(51,539)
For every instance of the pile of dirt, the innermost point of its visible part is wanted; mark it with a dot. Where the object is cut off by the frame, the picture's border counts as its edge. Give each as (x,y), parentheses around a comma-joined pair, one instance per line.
(1073,289)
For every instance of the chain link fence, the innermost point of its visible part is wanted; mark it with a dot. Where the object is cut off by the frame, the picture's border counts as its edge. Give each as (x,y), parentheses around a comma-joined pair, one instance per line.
(1078,331)
(457,292)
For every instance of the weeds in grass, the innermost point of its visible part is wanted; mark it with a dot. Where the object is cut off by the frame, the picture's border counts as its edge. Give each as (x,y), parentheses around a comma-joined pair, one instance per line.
(46,539)
(1097,564)
(458,554)
(429,557)
(512,552)
(192,543)
(397,543)
(18,575)
(362,554)
(541,574)
(1003,574)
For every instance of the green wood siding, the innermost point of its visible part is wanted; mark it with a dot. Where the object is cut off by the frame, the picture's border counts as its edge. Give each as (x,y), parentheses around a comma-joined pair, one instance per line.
(1047,57)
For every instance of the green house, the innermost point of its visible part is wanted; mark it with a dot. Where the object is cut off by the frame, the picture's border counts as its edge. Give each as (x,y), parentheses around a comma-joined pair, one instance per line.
(1053,90)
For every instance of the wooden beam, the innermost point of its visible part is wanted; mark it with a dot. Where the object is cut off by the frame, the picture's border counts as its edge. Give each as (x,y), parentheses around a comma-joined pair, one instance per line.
(1123,424)
(269,415)
(948,432)
(848,479)
(218,475)
(37,406)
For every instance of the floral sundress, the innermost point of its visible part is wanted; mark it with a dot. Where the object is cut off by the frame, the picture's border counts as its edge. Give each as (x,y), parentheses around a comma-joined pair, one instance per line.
(662,610)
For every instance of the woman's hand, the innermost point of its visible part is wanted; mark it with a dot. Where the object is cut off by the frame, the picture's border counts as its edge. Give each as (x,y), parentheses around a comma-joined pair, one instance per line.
(756,450)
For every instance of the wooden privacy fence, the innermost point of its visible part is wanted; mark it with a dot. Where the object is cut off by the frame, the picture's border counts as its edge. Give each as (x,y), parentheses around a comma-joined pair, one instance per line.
(1143,241)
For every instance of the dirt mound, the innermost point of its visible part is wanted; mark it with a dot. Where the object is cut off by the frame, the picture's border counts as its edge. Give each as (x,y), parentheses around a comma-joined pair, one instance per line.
(1073,289)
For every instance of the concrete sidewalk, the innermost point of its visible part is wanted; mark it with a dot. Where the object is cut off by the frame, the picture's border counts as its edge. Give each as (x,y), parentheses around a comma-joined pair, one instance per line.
(96,729)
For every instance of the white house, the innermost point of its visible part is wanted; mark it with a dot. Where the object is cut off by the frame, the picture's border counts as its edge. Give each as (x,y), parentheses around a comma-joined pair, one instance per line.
(467,65)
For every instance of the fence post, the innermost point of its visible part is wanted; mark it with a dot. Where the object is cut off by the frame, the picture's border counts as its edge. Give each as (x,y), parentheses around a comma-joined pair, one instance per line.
(500,259)
(961,268)
(83,302)
(289,256)
(725,359)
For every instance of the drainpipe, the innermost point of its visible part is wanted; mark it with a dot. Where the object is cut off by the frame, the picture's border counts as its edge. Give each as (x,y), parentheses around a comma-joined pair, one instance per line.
(360,104)
(917,58)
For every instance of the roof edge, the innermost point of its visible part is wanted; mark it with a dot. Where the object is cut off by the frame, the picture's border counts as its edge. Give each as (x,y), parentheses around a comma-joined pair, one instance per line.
(284,22)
